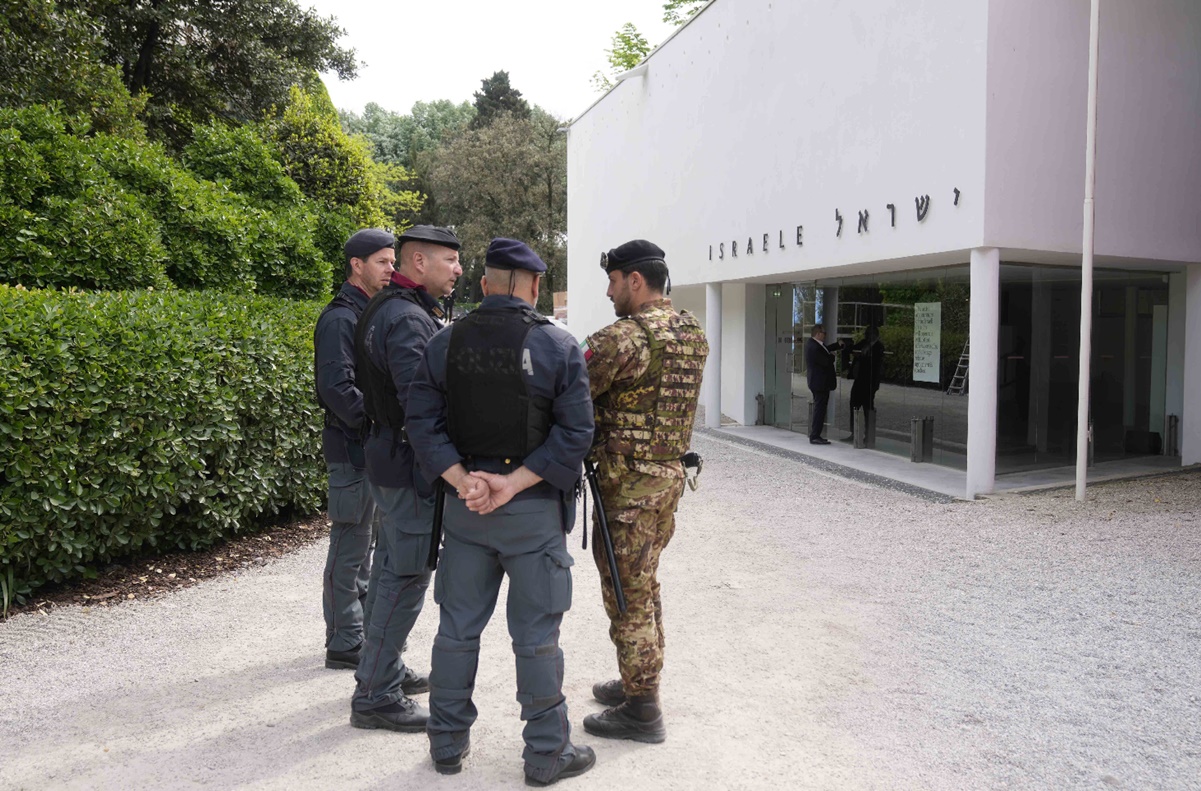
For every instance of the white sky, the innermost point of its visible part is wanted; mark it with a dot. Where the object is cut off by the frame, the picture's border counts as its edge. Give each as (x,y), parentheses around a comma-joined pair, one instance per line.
(442,49)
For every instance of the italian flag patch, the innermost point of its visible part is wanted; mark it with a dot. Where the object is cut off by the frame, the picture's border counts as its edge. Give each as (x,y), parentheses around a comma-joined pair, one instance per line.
(586,349)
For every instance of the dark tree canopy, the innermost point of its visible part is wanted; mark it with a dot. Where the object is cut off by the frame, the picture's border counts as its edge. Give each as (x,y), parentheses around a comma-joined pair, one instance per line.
(496,98)
(228,59)
(50,54)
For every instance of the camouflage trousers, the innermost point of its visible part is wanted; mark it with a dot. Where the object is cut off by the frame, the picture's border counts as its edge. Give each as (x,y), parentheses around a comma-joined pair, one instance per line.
(641,513)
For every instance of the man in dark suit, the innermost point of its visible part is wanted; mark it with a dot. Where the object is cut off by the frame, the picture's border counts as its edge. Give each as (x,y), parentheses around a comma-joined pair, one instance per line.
(819,362)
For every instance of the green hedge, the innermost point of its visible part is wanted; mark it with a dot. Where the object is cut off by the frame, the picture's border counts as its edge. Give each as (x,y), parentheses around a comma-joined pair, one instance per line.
(99,211)
(140,419)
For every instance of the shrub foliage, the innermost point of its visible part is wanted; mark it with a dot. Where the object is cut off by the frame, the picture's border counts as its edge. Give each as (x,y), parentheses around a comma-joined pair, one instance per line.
(142,419)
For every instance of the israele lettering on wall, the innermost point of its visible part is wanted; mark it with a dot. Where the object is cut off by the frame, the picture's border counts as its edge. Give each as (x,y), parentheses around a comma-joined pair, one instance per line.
(921,210)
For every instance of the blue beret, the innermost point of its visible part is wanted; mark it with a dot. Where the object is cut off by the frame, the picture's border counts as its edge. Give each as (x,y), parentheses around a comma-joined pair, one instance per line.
(635,252)
(512,254)
(367,241)
(431,234)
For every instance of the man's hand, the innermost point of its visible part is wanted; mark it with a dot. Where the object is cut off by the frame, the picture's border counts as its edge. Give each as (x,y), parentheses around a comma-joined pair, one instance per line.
(500,489)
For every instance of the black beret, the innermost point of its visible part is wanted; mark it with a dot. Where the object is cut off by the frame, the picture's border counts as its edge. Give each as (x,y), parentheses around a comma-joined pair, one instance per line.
(636,252)
(512,254)
(431,234)
(367,241)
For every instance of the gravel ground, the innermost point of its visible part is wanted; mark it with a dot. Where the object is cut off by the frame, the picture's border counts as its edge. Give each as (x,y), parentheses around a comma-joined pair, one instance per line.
(822,633)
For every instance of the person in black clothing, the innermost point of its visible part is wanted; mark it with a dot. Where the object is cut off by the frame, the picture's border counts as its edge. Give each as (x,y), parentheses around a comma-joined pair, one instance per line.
(389,340)
(867,368)
(822,378)
(369,262)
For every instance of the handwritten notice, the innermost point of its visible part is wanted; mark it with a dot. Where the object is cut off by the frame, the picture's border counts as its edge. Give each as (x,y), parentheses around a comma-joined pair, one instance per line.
(927,341)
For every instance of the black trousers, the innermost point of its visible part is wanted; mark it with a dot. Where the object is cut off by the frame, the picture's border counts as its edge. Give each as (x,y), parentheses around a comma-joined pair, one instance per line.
(821,399)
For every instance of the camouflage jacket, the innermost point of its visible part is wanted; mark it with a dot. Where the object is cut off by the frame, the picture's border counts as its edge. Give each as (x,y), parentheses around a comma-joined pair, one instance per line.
(645,373)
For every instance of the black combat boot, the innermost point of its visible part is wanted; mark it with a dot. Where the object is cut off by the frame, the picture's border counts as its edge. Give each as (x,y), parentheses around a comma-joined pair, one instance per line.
(343,660)
(405,715)
(583,760)
(413,683)
(638,719)
(609,693)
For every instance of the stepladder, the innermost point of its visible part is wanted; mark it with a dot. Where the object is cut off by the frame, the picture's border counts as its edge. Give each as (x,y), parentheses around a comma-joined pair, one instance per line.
(958,384)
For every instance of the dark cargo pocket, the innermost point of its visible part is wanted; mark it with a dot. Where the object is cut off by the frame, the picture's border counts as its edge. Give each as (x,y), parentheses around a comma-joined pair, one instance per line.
(558,579)
(348,499)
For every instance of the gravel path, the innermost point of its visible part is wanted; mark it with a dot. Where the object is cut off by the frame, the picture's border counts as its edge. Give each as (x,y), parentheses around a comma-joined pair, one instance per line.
(822,633)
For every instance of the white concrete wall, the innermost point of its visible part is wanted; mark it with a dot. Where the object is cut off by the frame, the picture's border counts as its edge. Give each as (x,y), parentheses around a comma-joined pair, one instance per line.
(1190,421)
(743,341)
(1149,112)
(761,116)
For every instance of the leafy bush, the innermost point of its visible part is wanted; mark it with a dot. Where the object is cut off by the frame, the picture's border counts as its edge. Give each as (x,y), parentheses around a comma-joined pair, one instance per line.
(64,221)
(140,419)
(106,212)
(51,54)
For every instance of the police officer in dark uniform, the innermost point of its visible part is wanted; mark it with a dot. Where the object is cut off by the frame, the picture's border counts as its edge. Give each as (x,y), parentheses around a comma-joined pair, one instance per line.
(369,262)
(500,409)
(392,333)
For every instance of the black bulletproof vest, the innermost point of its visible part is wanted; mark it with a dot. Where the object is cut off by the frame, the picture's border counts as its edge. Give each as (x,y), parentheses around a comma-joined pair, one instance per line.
(340,300)
(379,393)
(490,412)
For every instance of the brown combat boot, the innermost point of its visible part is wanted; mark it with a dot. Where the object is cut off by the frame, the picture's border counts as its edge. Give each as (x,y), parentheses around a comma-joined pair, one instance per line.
(639,719)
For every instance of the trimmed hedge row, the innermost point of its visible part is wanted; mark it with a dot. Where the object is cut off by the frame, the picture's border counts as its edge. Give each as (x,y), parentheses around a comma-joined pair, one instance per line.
(141,418)
(98,211)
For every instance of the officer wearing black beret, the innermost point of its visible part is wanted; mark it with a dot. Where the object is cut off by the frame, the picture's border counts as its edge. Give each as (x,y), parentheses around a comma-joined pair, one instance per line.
(645,373)
(500,409)
(369,262)
(392,333)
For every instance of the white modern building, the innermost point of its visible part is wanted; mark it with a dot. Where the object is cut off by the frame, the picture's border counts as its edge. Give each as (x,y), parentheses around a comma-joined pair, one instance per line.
(919,166)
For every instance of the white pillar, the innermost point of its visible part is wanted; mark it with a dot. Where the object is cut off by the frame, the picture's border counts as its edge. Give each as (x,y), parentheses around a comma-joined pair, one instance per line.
(1190,420)
(982,371)
(712,384)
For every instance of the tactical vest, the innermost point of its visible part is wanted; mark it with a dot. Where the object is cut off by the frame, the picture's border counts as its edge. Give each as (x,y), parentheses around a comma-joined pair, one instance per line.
(340,300)
(490,412)
(652,419)
(380,402)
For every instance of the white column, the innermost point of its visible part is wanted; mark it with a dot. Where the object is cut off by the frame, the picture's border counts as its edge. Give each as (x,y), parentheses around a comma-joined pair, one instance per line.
(712,384)
(982,371)
(1190,420)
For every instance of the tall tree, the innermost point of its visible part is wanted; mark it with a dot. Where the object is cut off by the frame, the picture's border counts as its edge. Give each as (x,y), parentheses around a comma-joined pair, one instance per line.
(496,98)
(51,54)
(400,139)
(227,59)
(677,12)
(629,48)
(506,179)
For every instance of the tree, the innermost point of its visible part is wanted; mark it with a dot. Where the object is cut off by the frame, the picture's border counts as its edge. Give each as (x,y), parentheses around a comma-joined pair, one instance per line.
(677,12)
(400,139)
(200,59)
(629,46)
(497,98)
(49,54)
(506,179)
(336,171)
(629,49)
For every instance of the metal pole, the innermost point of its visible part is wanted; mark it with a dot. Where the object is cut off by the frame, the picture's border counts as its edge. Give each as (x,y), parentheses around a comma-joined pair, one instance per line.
(1086,264)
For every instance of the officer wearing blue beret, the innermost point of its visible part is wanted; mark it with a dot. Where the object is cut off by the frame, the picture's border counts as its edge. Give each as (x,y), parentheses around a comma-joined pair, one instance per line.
(500,409)
(391,335)
(369,260)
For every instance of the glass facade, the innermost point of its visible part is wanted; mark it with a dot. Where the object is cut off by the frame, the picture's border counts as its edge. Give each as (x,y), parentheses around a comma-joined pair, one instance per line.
(917,363)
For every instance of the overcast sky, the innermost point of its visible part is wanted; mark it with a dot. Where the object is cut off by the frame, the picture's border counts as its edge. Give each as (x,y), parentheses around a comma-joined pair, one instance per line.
(441,49)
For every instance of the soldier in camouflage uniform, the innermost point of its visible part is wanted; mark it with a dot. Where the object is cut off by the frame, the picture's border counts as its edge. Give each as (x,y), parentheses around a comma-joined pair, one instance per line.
(645,371)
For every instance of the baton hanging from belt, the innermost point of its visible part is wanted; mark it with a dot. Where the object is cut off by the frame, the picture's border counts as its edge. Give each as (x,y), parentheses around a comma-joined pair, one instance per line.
(436,530)
(607,537)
